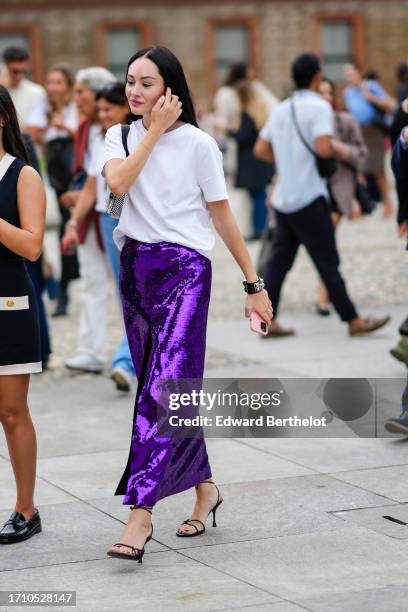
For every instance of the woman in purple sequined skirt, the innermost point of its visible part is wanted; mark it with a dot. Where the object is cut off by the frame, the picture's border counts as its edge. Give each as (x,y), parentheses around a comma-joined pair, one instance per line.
(175,187)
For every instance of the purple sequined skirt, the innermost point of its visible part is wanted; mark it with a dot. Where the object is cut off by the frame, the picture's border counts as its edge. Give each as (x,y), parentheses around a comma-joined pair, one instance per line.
(165,292)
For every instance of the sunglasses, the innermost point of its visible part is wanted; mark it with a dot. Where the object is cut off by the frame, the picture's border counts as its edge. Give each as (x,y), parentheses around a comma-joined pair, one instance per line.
(17,71)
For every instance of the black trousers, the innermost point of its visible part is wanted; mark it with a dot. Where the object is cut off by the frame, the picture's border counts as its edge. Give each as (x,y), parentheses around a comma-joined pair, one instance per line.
(311,226)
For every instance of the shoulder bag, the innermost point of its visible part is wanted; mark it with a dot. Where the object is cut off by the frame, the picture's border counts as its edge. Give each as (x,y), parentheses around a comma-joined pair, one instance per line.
(326,166)
(114,203)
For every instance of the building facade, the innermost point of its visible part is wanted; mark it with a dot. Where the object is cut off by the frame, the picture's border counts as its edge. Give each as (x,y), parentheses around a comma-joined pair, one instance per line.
(209,35)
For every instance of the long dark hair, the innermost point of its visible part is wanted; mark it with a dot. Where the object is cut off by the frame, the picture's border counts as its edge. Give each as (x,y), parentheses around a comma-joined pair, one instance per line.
(12,138)
(173,75)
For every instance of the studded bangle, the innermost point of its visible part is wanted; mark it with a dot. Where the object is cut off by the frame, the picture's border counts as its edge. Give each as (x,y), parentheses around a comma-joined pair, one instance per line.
(255,287)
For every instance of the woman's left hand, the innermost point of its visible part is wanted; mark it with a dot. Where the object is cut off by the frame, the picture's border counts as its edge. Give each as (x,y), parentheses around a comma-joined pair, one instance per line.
(261,303)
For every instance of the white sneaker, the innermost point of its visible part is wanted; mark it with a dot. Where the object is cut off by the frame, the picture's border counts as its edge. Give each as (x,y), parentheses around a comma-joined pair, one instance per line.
(122,379)
(85,363)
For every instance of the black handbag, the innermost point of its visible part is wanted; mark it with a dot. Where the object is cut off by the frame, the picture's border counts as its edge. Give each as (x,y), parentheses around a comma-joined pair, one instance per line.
(326,166)
(60,155)
(363,197)
(361,193)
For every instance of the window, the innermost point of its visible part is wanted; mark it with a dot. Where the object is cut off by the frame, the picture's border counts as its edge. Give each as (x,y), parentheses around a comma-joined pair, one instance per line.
(121,45)
(230,41)
(118,41)
(27,37)
(338,39)
(13,39)
(232,45)
(337,47)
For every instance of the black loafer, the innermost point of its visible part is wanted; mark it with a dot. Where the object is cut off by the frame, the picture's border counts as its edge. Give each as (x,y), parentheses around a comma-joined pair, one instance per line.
(17,528)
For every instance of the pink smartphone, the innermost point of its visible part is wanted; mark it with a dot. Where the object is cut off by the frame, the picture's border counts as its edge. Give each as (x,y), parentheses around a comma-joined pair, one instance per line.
(257,324)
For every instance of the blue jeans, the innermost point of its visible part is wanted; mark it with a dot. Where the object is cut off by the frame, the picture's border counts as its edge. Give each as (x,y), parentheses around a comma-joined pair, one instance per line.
(259,211)
(122,358)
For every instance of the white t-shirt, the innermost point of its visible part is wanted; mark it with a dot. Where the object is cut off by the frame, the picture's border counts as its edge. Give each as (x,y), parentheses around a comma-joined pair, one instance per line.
(25,97)
(95,132)
(168,200)
(95,169)
(38,118)
(299,182)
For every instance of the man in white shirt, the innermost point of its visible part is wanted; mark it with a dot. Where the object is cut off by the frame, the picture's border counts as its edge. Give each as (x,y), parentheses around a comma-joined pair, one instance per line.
(24,93)
(300,128)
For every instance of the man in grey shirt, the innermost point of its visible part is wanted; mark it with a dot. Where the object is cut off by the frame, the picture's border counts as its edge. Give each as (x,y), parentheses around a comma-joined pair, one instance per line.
(300,128)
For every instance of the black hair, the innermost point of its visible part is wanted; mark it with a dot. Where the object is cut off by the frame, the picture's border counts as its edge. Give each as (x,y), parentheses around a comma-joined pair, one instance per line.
(304,69)
(402,72)
(372,75)
(12,138)
(237,72)
(114,93)
(173,75)
(15,54)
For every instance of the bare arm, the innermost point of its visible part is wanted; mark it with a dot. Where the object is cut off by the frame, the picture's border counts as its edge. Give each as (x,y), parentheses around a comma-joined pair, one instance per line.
(263,150)
(226,226)
(122,173)
(27,240)
(387,104)
(323,145)
(37,134)
(83,205)
(86,199)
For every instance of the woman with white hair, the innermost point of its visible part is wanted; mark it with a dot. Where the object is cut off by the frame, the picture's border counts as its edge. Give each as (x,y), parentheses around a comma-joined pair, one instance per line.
(90,350)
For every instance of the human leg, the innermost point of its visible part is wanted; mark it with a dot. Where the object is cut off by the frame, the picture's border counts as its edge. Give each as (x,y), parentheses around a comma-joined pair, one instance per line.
(259,211)
(122,359)
(284,249)
(92,323)
(322,293)
(166,326)
(20,436)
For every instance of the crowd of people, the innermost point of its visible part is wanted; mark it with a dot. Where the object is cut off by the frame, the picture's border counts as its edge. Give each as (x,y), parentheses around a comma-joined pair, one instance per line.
(96,137)
(365,119)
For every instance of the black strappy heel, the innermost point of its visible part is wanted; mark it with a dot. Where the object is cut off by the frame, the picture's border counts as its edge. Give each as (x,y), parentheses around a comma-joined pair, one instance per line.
(191,522)
(137,553)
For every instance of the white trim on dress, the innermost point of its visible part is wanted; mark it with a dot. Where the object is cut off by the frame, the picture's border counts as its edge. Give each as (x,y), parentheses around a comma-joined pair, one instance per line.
(5,164)
(21,368)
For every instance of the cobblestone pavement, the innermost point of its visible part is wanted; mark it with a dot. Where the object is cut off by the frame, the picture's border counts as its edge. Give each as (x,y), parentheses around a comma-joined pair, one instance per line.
(373,263)
(321,542)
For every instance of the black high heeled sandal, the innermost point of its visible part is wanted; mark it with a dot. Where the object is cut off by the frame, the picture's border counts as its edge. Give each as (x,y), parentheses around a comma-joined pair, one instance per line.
(191,522)
(137,553)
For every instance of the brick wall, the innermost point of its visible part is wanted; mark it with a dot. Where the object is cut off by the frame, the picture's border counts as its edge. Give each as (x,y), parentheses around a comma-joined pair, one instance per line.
(68,34)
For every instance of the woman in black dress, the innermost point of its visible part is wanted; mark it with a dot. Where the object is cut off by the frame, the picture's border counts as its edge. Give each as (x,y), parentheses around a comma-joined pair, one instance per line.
(22,218)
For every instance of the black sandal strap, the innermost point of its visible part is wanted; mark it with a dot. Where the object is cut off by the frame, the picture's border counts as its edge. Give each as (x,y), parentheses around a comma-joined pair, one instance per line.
(204,481)
(188,522)
(128,546)
(143,508)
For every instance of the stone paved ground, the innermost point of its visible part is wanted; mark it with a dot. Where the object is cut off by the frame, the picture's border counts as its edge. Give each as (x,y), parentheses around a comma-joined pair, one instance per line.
(373,265)
(302,526)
